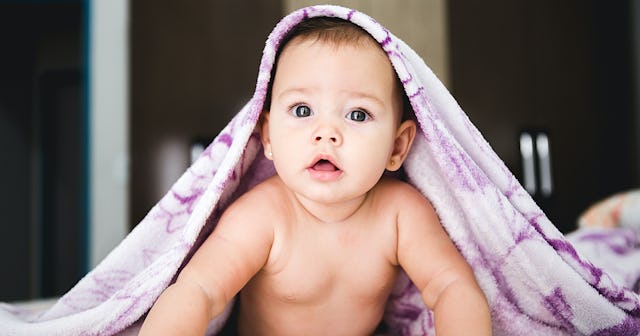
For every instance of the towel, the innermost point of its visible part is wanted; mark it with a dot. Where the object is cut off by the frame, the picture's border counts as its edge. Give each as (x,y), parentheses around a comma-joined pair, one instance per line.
(536,281)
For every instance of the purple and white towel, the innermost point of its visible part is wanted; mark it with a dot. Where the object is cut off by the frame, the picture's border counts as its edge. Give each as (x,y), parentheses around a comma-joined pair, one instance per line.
(536,281)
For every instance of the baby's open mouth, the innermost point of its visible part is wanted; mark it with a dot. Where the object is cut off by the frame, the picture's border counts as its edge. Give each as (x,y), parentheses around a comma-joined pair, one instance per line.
(325,170)
(325,165)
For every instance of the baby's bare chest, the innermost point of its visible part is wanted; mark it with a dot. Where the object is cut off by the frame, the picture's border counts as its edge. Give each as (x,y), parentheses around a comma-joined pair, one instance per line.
(319,267)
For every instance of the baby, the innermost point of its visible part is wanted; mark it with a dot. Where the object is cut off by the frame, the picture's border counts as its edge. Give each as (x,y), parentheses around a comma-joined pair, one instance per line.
(315,249)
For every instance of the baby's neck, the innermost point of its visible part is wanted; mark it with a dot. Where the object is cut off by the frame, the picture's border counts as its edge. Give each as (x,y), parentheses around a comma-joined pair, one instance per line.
(331,212)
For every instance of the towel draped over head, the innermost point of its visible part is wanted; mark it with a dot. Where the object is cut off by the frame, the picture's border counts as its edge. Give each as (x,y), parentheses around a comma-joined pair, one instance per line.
(535,280)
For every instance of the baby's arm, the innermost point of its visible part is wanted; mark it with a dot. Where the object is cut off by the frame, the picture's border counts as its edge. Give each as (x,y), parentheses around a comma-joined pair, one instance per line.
(235,251)
(435,266)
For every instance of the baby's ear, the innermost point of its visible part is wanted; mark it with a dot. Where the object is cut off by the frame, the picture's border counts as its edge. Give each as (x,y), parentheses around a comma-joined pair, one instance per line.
(263,125)
(404,138)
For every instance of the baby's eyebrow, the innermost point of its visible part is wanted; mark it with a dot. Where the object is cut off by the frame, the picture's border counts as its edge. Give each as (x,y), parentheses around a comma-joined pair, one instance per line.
(294,90)
(367,95)
(359,94)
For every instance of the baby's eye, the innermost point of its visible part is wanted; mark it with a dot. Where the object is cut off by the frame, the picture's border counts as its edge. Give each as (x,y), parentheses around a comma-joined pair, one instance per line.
(301,111)
(358,115)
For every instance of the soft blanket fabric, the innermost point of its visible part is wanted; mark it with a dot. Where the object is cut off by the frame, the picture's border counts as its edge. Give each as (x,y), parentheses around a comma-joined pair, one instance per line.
(535,280)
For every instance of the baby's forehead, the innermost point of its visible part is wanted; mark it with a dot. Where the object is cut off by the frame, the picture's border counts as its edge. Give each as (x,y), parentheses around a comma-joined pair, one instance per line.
(362,53)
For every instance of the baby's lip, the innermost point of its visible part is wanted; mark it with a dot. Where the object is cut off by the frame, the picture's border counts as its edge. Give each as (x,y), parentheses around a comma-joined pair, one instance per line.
(323,168)
(324,162)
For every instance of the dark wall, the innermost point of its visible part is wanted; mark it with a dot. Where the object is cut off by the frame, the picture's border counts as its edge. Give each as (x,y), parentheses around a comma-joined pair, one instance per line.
(41,143)
(193,66)
(561,67)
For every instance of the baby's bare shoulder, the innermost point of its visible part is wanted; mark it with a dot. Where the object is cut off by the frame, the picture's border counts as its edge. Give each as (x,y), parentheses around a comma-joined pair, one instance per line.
(392,189)
(266,200)
(407,201)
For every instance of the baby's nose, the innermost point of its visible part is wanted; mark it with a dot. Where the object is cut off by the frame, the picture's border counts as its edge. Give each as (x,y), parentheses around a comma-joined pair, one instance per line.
(329,135)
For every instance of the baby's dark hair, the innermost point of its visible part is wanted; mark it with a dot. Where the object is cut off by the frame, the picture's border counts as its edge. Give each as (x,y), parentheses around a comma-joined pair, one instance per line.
(336,31)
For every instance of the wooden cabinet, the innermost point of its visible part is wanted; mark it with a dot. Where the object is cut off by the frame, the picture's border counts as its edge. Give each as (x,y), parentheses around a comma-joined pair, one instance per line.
(560,68)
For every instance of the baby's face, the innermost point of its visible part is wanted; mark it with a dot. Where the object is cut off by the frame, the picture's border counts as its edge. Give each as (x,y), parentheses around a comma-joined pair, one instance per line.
(333,118)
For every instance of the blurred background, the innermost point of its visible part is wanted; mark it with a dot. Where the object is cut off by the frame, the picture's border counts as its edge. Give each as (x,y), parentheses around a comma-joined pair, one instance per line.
(103,102)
